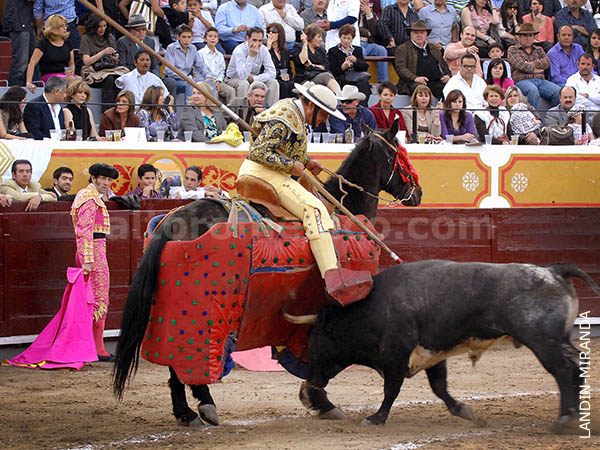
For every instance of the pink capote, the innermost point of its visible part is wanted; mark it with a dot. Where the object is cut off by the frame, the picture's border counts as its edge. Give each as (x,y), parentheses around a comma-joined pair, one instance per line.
(67,341)
(257,360)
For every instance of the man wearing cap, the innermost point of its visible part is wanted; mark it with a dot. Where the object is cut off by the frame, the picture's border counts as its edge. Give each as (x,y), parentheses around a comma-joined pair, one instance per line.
(528,64)
(279,152)
(354,114)
(418,63)
(91,223)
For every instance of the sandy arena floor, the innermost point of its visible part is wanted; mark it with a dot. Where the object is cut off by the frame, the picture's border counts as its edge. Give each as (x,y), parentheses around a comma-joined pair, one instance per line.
(508,388)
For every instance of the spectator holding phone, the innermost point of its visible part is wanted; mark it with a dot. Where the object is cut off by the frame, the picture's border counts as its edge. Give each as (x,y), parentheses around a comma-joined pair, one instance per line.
(157,113)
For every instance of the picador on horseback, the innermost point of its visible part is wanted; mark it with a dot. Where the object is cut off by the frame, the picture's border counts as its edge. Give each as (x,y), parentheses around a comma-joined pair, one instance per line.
(277,154)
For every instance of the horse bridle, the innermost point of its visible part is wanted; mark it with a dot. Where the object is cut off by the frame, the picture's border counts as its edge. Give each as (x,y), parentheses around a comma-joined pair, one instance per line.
(396,168)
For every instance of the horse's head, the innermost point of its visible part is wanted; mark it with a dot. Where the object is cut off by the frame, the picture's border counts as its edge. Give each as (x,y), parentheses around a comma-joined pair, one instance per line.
(397,176)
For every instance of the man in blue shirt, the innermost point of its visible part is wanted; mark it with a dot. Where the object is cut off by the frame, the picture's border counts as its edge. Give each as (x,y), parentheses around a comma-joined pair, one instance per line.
(66,8)
(564,56)
(232,20)
(580,20)
(443,21)
(355,114)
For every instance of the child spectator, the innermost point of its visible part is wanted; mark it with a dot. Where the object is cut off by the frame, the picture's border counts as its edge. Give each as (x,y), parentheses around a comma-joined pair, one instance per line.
(201,21)
(384,112)
(496,74)
(174,16)
(215,63)
(185,59)
(495,51)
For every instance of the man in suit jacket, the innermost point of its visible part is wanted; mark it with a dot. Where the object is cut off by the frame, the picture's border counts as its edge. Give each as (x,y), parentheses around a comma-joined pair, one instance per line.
(22,189)
(248,107)
(419,63)
(44,113)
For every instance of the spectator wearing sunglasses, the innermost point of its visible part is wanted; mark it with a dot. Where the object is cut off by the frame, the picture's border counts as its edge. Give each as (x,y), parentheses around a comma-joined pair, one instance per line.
(281,59)
(278,11)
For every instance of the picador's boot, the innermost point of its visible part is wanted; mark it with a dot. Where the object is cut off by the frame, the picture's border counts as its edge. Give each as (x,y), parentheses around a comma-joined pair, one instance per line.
(348,286)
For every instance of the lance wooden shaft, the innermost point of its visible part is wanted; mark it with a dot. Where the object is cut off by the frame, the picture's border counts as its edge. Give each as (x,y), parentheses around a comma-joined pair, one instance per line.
(117,26)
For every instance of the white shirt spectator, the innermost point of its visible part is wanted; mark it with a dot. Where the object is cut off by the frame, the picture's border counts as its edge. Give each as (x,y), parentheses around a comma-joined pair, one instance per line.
(592,89)
(473,93)
(338,10)
(55,112)
(291,23)
(200,192)
(214,61)
(242,65)
(138,84)
(198,29)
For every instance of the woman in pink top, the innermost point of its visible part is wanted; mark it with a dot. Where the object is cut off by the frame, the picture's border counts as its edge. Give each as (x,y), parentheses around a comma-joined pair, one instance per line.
(542,24)
(497,74)
(480,14)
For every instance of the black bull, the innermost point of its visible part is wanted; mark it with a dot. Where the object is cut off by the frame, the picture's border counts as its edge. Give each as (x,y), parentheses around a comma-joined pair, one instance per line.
(419,314)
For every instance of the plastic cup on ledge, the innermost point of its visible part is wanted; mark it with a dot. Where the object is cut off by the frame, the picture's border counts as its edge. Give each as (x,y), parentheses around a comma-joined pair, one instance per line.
(116,135)
(160,135)
(488,139)
(63,134)
(188,135)
(79,134)
(108,135)
(247,136)
(449,139)
(339,138)
(401,136)
(55,135)
(331,138)
(514,140)
(316,138)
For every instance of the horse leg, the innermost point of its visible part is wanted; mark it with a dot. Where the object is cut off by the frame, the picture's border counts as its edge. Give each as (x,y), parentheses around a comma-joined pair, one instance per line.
(315,399)
(206,405)
(437,376)
(182,412)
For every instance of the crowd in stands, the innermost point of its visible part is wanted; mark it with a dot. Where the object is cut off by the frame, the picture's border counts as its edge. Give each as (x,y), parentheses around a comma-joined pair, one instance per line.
(472,68)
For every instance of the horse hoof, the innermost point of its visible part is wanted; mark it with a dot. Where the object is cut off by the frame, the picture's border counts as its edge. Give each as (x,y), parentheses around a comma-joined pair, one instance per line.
(333,414)
(303,395)
(565,425)
(194,423)
(465,412)
(371,421)
(208,413)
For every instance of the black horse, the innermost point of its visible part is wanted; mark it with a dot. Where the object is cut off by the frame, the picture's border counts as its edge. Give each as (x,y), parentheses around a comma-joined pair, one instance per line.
(374,165)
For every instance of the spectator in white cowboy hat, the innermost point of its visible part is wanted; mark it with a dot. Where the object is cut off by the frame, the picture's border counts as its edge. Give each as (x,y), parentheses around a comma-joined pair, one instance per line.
(354,114)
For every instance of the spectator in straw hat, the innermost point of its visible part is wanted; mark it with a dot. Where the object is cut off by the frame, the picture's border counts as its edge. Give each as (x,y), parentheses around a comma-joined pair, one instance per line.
(418,63)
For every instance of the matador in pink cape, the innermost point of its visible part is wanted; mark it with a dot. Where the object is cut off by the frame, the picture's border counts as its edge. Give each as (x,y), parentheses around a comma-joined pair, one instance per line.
(92,224)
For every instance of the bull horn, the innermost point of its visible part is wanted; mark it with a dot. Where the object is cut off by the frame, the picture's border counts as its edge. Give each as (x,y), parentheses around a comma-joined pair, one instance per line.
(309,319)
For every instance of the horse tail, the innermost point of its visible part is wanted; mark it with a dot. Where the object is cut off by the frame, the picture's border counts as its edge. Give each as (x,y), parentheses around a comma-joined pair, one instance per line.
(136,313)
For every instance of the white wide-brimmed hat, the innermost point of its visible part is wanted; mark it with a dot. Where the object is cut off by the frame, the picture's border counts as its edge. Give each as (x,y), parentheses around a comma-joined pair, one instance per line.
(350,92)
(323,97)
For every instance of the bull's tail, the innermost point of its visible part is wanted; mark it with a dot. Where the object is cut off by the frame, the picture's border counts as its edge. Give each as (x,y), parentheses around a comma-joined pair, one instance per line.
(136,313)
(566,270)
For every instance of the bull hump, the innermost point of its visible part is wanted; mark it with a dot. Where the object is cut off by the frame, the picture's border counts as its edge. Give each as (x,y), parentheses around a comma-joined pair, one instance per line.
(422,358)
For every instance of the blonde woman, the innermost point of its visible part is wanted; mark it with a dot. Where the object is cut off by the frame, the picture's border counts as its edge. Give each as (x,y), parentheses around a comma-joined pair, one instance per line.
(54,54)
(77,94)
(201,117)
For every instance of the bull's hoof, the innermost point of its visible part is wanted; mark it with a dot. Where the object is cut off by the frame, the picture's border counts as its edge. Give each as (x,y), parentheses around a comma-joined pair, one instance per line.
(333,414)
(566,425)
(208,413)
(373,420)
(194,423)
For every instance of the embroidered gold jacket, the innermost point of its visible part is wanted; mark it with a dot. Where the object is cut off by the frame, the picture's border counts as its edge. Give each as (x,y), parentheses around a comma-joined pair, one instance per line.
(280,127)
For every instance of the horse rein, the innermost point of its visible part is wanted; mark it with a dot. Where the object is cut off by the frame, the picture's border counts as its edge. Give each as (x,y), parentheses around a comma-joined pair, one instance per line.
(397,168)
